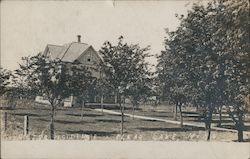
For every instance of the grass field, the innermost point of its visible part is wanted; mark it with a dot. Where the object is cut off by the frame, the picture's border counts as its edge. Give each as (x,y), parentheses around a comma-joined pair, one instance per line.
(98,126)
(190,115)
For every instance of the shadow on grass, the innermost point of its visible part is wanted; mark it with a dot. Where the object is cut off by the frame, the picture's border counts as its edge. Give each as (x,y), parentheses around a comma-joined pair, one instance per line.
(84,115)
(178,129)
(164,116)
(109,120)
(222,121)
(247,128)
(72,109)
(202,120)
(29,114)
(196,113)
(57,121)
(150,120)
(33,108)
(72,122)
(232,126)
(90,132)
(47,119)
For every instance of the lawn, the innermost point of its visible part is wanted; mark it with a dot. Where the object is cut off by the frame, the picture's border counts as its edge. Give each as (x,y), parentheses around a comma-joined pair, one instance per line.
(102,126)
(189,115)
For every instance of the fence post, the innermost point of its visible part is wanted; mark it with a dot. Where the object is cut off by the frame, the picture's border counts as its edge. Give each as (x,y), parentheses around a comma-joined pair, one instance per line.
(26,125)
(5,121)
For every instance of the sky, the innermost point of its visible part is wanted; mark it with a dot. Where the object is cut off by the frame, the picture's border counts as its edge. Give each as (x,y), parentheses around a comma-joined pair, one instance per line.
(28,26)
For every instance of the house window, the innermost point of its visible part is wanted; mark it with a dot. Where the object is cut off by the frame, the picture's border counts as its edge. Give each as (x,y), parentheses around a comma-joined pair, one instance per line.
(88,60)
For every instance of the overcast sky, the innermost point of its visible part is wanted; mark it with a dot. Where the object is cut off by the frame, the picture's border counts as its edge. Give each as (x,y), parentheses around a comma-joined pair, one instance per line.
(27,27)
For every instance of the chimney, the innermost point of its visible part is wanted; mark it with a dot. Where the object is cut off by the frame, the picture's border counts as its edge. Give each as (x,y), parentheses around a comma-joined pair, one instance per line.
(79,38)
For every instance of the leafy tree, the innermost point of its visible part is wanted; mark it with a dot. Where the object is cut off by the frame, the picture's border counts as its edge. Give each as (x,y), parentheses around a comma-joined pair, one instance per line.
(140,90)
(4,80)
(103,86)
(209,52)
(233,32)
(54,79)
(128,68)
(6,88)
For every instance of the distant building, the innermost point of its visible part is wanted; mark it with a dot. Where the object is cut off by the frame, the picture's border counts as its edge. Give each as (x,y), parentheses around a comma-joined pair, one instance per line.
(71,52)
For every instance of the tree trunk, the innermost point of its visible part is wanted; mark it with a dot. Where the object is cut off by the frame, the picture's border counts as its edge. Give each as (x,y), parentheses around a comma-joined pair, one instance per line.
(52,132)
(240,128)
(122,115)
(102,102)
(239,124)
(209,121)
(144,105)
(181,118)
(83,104)
(122,121)
(209,132)
(240,133)
(208,125)
(54,111)
(133,110)
(220,115)
(176,110)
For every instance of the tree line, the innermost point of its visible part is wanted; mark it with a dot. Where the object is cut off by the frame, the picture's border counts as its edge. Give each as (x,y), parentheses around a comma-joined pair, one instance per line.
(206,60)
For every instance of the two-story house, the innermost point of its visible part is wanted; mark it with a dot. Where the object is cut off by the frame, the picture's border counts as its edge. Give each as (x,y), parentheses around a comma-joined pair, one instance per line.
(71,52)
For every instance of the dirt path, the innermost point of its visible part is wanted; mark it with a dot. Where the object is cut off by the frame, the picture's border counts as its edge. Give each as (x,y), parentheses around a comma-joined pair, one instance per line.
(169,121)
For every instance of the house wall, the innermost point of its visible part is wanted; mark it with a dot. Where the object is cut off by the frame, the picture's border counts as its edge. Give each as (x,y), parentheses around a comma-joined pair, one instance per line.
(90,57)
(92,61)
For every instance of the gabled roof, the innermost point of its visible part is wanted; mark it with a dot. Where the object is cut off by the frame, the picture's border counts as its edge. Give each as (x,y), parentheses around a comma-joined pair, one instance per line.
(74,51)
(54,50)
(68,52)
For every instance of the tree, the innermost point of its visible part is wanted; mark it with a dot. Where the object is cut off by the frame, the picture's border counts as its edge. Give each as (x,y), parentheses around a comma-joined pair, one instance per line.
(234,35)
(54,79)
(209,51)
(103,86)
(140,90)
(4,80)
(128,67)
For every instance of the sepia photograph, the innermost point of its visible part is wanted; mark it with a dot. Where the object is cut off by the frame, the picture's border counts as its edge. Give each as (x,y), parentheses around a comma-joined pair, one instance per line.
(120,79)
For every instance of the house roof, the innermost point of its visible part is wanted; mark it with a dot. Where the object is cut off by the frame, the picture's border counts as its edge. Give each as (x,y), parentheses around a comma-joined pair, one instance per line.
(68,52)
(73,51)
(54,50)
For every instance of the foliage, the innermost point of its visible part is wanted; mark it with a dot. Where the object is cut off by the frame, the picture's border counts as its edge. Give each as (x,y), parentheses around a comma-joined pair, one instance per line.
(128,67)
(209,55)
(4,80)
(55,80)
